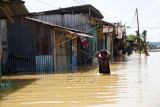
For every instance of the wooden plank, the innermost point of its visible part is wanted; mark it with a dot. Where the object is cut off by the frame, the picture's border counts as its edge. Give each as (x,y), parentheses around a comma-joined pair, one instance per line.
(54,49)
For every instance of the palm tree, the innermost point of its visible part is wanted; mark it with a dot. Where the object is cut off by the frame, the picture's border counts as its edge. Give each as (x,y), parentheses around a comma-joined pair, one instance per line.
(131,44)
(145,44)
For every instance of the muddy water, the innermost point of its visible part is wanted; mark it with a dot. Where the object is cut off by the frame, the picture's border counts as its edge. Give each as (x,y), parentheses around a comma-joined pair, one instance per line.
(134,82)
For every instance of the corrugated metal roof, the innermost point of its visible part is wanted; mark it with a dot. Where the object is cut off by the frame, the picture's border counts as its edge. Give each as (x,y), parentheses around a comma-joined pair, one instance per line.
(12,8)
(82,9)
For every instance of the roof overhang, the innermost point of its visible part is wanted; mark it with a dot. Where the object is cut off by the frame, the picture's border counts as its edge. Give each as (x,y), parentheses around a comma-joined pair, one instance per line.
(84,35)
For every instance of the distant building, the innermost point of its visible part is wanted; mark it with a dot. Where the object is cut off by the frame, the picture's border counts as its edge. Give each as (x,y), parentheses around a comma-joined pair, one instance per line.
(118,40)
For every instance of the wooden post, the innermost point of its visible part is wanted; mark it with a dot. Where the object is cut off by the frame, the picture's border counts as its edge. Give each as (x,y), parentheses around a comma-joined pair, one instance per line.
(89,11)
(53,43)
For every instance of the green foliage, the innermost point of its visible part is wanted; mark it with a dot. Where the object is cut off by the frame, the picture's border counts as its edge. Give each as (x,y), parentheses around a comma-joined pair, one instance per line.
(131,38)
(131,43)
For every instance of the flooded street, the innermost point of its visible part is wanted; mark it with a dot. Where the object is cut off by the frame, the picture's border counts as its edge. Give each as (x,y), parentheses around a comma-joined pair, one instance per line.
(134,82)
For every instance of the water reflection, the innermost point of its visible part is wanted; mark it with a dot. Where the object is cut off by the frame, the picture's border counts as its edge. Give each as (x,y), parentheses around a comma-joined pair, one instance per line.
(134,81)
(119,59)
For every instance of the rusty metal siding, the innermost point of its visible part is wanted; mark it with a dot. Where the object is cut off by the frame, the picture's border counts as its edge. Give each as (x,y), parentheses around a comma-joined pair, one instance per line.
(42,47)
(42,41)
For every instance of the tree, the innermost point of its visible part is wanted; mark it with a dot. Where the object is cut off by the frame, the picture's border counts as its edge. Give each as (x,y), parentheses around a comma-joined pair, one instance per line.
(145,43)
(131,43)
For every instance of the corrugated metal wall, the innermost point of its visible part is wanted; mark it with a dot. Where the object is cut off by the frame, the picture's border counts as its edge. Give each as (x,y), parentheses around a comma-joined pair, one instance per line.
(42,47)
(55,19)
(29,47)
(76,21)
(20,48)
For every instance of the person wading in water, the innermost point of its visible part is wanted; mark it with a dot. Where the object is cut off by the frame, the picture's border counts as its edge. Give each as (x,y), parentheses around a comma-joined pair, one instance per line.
(103,59)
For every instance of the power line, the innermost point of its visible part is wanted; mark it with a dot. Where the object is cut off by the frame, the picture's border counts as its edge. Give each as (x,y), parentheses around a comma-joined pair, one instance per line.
(77,2)
(45,3)
(83,1)
(134,17)
(147,27)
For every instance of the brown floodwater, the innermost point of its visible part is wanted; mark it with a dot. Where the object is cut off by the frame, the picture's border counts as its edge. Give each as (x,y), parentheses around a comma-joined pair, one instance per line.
(134,82)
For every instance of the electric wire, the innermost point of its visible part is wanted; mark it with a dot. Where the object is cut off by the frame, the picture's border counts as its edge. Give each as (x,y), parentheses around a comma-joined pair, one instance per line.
(133,20)
(77,2)
(83,1)
(45,3)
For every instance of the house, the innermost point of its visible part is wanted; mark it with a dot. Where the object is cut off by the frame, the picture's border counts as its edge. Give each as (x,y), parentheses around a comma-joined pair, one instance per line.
(85,18)
(35,45)
(118,40)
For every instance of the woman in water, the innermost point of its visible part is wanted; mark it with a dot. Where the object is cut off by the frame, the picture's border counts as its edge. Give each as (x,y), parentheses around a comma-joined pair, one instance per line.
(103,59)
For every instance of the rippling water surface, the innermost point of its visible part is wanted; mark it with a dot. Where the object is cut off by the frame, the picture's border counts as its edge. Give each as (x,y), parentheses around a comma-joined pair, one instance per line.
(134,81)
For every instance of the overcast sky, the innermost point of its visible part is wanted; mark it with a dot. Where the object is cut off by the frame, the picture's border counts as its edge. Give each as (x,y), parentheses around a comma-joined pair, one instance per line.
(113,11)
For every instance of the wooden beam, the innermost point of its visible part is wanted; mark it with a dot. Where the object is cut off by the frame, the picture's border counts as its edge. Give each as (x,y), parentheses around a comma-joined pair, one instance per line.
(53,40)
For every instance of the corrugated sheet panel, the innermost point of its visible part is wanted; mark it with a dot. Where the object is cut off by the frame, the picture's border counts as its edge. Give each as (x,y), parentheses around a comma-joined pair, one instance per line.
(20,48)
(13,8)
(29,47)
(76,21)
(82,9)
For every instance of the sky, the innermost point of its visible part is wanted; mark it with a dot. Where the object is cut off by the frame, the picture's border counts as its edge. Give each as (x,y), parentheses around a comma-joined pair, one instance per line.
(113,11)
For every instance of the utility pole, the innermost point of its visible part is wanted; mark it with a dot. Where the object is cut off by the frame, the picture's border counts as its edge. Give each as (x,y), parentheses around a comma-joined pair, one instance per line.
(138,34)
